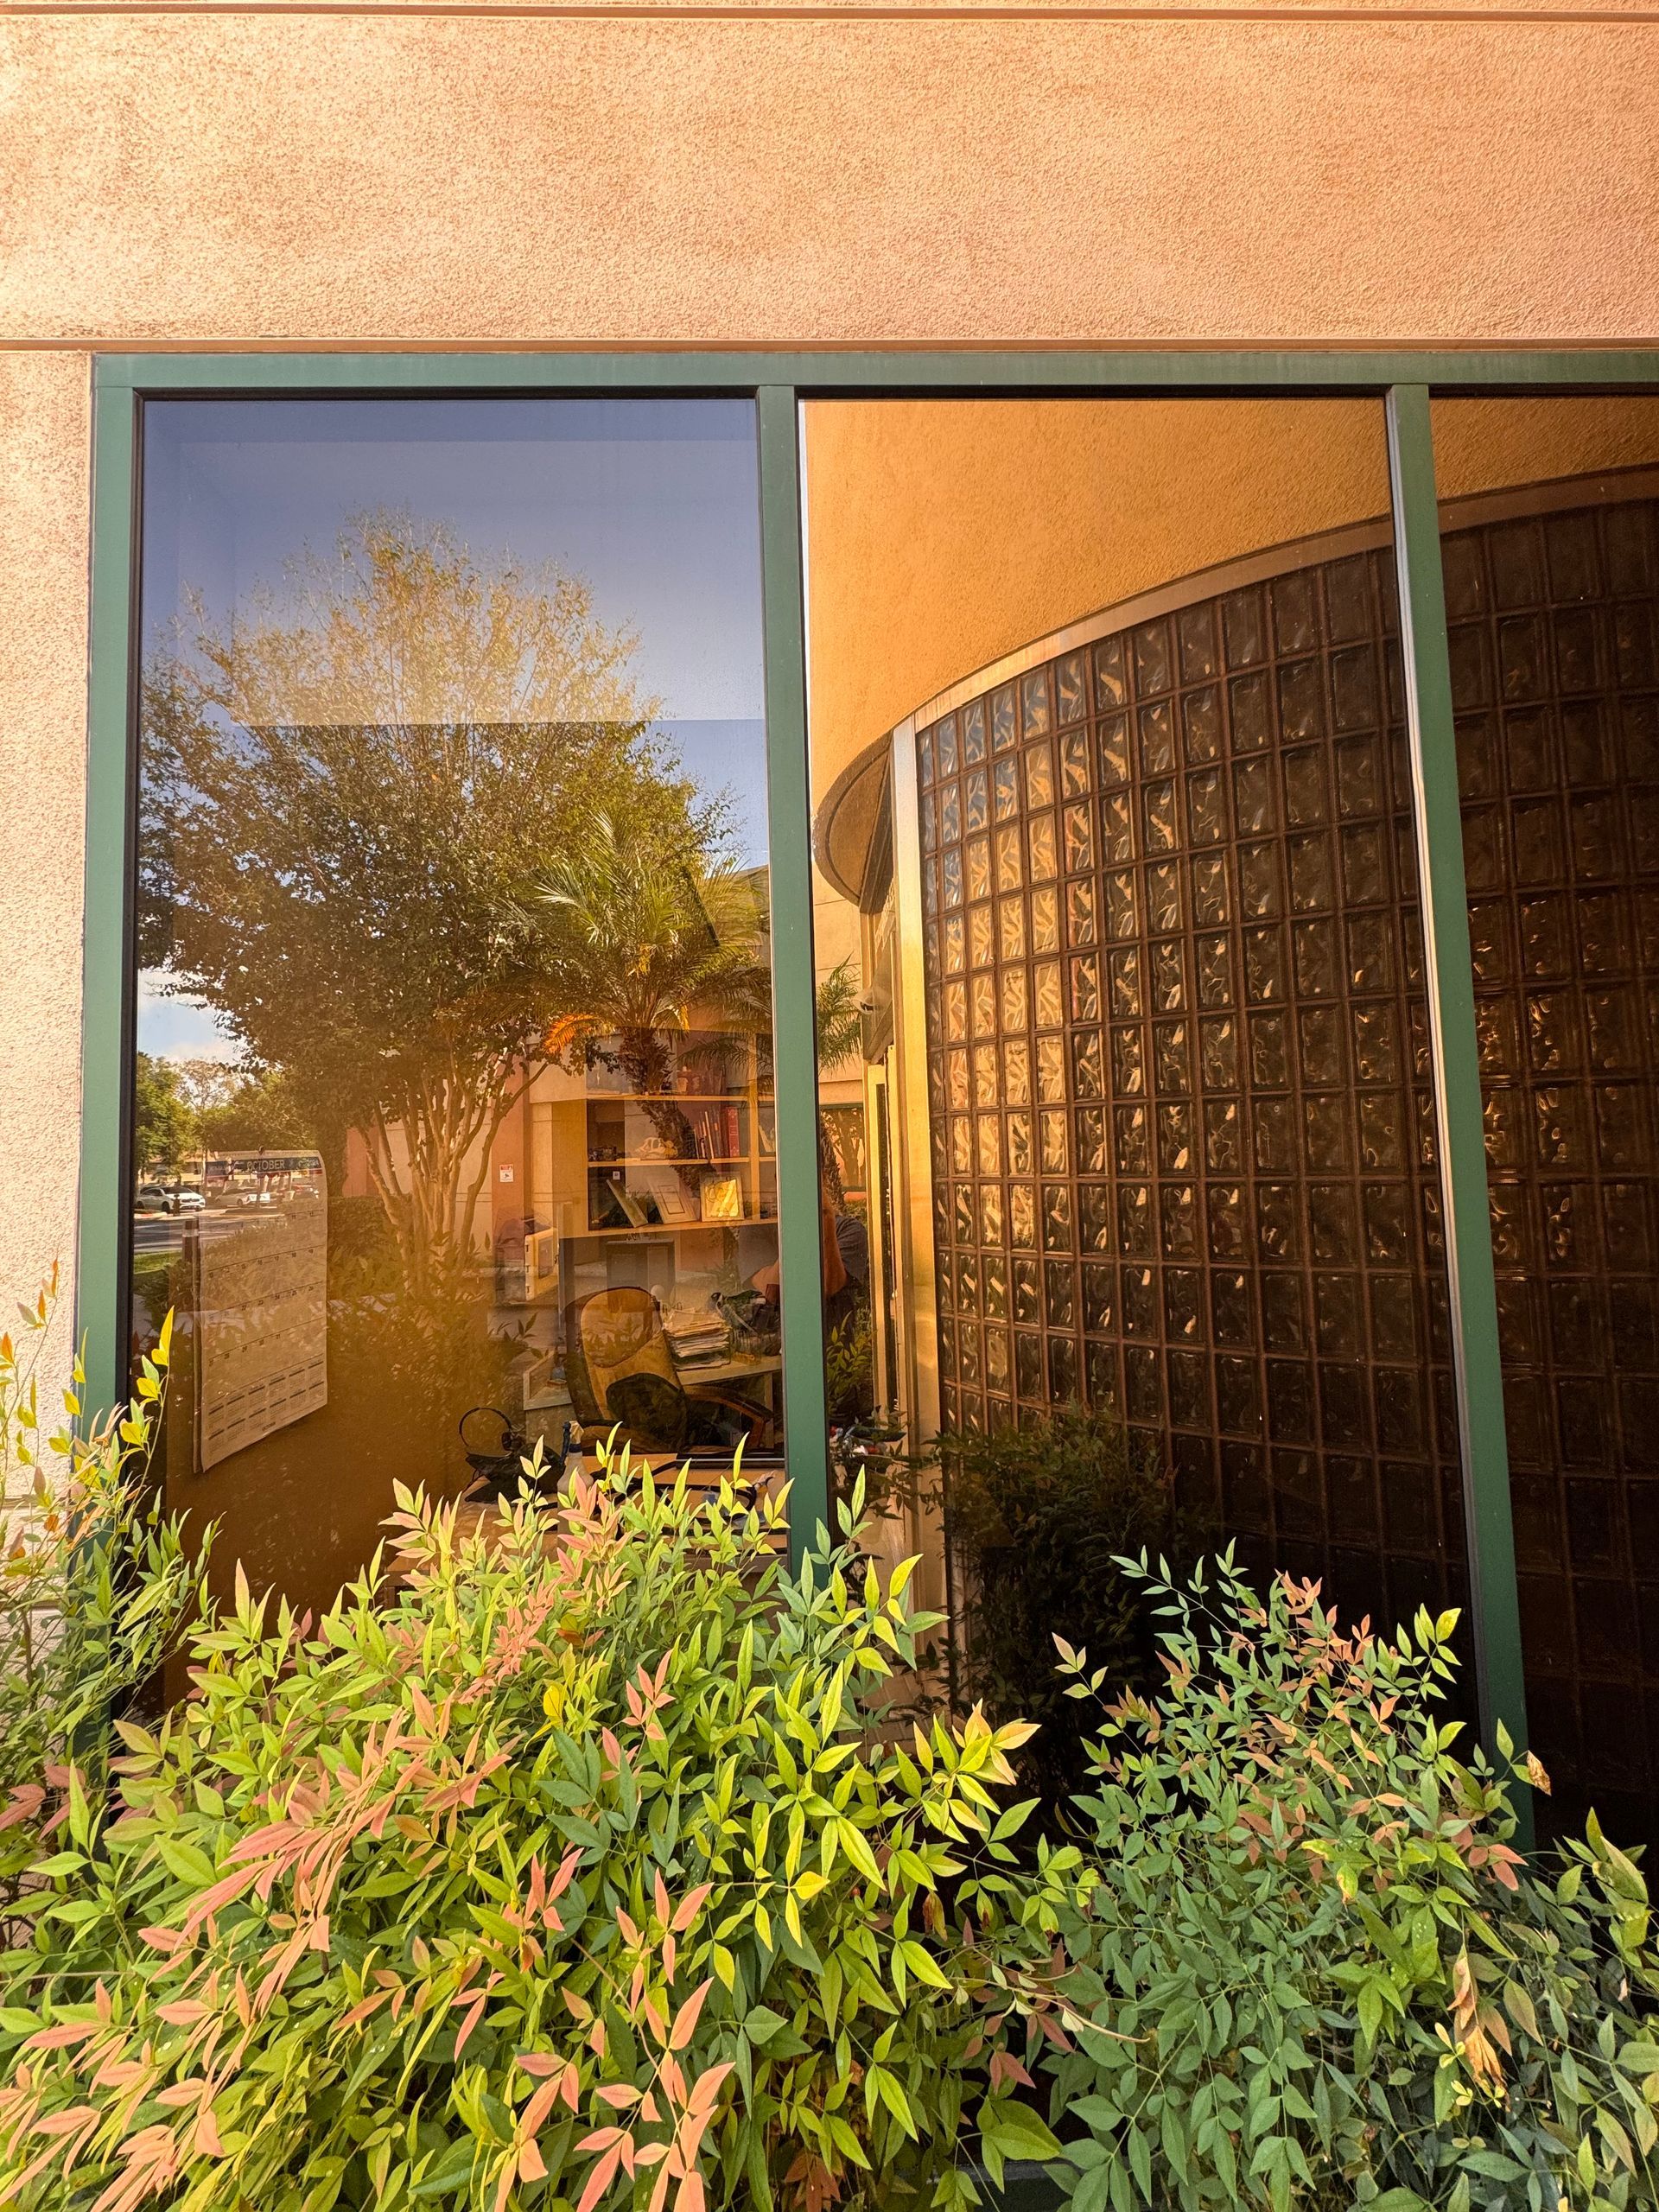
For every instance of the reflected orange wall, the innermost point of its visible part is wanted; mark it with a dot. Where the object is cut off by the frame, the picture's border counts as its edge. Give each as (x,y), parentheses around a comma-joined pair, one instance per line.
(944,534)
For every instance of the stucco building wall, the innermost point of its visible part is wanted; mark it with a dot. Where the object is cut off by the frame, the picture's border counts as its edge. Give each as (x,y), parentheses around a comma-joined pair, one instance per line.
(396,175)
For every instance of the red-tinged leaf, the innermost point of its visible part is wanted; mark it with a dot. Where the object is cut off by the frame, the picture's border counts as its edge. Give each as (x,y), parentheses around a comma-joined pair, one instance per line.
(474,2014)
(207,2144)
(64,2037)
(539,2064)
(691,1907)
(619,2095)
(600,2180)
(659,1896)
(184,2093)
(630,1933)
(685,2020)
(1005,2067)
(183,2012)
(567,1873)
(706,2088)
(531,2164)
(690,2196)
(67,2122)
(602,2138)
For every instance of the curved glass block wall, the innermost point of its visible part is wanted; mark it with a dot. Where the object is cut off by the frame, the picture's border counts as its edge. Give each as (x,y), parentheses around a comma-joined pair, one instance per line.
(1181,1120)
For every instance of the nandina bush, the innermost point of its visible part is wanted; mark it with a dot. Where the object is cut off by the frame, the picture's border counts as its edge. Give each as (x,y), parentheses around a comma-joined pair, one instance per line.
(1299,1957)
(570,1872)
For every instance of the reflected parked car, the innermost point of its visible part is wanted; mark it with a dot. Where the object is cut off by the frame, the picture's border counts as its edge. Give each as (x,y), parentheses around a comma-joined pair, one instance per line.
(150,1198)
(188,1201)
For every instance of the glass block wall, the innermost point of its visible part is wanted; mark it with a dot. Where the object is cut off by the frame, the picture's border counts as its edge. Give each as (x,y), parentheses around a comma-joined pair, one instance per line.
(1181,1117)
(1555,679)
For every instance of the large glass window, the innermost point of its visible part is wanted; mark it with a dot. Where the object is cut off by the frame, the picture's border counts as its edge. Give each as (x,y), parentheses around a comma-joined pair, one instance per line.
(1113,805)
(452,1119)
(1550,540)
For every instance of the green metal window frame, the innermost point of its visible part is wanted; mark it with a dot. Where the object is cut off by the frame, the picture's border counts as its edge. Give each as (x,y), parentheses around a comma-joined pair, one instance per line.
(778,383)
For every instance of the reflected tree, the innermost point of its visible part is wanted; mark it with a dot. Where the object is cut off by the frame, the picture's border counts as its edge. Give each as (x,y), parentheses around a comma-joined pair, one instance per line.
(355,783)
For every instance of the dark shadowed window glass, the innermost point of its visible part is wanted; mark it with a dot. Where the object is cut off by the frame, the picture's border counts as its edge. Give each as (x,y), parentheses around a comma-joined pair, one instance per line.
(1550,540)
(452,1123)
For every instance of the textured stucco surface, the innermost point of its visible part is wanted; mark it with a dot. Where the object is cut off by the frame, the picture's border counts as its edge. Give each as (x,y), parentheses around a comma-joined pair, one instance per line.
(226,180)
(186,178)
(44,413)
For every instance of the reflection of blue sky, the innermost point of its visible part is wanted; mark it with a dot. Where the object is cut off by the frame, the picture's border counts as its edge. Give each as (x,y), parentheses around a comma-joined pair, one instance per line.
(654,503)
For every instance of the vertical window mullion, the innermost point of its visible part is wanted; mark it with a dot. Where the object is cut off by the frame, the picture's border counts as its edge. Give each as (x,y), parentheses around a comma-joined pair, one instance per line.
(1494,1601)
(795,1043)
(104,1209)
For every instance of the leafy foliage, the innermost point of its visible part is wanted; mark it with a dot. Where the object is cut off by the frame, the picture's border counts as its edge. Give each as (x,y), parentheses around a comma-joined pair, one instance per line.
(163,1126)
(93,1585)
(1037,1518)
(570,1871)
(1300,1958)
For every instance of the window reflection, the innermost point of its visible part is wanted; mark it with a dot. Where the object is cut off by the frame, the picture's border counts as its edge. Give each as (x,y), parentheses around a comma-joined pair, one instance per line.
(454,1117)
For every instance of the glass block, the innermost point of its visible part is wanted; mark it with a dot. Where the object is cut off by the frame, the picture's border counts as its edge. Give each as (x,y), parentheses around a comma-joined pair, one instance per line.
(1057,1216)
(950,806)
(1540,841)
(996,1359)
(980,946)
(1258,881)
(1219,1053)
(929,822)
(1158,810)
(955,1012)
(1324,1065)
(1088,1072)
(1050,1069)
(1016,1074)
(1359,779)
(1003,733)
(1304,797)
(1175,1138)
(1081,926)
(1223,1143)
(973,732)
(1071,685)
(1128,1071)
(1135,1220)
(1117,826)
(1034,703)
(1039,776)
(1326,1122)
(1577,638)
(1079,835)
(1201,724)
(1382,1138)
(1301,700)
(1244,628)
(1163,898)
(949,880)
(1250,709)
(984,1006)
(1125,968)
(1546,937)
(944,746)
(1387,1225)
(1224,1206)
(1010,872)
(1045,981)
(1172,1066)
(1089,1136)
(1332,1232)
(1596,827)
(1123,905)
(1053,1134)
(1188,1377)
(954,947)
(1356,694)
(1270,1053)
(962,1144)
(1522,658)
(990,1213)
(1095,1217)
(957,1077)
(1265,982)
(976,805)
(1021,1159)
(1153,663)
(1214,971)
(1099,1295)
(1312,887)
(1213,903)
(978,868)
(1046,921)
(1084,972)
(963,1207)
(1276,1134)
(1168,975)
(1111,683)
(1365,865)
(988,1144)
(1614,1020)
(1138,1301)
(1179,1209)
(924,757)
(1022,1216)
(1011,928)
(1114,747)
(1129,1136)
(1255,797)
(993,1269)
(1295,612)
(1206,807)
(1005,788)
(1156,725)
(1232,1319)
(1075,774)
(1028,1368)
(1278,1223)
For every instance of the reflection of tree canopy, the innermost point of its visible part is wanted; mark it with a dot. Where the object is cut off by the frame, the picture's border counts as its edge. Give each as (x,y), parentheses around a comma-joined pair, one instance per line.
(348,793)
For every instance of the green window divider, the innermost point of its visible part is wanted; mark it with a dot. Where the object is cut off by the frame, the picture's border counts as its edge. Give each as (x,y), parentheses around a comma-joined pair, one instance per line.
(1426,662)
